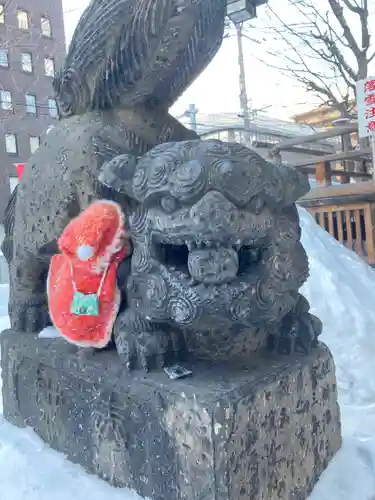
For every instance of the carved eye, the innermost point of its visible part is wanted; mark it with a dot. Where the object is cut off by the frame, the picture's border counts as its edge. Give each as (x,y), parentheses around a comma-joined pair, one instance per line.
(169,204)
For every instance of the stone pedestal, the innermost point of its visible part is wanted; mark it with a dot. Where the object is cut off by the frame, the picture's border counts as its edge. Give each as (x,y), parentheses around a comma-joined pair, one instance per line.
(264,431)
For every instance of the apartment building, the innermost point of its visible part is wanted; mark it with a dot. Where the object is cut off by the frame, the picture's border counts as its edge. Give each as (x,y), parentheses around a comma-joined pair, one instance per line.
(32,47)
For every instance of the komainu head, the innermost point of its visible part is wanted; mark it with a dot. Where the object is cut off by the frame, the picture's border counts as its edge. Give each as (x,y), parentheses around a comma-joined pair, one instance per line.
(216,235)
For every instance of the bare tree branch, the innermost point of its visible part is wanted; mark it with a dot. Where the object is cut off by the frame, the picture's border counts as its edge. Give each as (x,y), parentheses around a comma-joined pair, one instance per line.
(338,12)
(354,7)
(321,49)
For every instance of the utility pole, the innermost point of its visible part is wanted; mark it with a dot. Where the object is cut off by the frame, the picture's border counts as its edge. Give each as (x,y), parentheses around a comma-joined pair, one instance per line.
(192,111)
(242,80)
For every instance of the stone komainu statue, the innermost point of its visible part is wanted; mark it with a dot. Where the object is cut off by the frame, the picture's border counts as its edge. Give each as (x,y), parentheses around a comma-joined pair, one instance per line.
(217,260)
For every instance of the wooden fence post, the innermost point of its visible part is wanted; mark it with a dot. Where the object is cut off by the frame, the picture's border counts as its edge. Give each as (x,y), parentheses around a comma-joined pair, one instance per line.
(323,173)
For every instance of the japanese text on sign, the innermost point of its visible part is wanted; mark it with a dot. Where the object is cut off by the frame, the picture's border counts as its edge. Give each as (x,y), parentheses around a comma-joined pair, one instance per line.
(366,107)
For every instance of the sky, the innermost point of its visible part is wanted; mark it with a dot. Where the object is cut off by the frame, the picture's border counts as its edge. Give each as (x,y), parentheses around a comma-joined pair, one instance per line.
(217,88)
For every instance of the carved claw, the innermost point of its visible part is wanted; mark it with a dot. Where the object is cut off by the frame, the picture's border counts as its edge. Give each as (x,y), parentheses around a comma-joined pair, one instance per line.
(84,355)
(298,332)
(117,174)
(139,343)
(29,315)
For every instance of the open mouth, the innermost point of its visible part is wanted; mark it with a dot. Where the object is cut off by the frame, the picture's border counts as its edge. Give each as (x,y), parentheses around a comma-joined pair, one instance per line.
(177,255)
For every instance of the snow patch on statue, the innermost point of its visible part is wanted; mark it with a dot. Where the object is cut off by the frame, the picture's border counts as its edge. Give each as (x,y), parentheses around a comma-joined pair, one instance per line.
(49,332)
(83,296)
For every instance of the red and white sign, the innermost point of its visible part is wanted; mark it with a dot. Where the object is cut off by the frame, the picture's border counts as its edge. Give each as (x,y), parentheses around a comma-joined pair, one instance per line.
(366,106)
(20,167)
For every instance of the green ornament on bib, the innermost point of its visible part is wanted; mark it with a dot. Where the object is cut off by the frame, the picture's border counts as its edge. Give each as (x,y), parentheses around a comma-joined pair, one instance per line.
(85,304)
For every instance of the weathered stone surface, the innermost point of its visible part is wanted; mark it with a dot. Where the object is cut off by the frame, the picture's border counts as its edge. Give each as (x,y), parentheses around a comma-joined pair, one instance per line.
(138,53)
(263,430)
(217,261)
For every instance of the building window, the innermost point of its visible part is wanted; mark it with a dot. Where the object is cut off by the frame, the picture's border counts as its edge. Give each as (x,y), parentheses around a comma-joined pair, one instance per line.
(26,62)
(11,143)
(34,144)
(49,66)
(23,19)
(30,104)
(52,108)
(6,99)
(4,59)
(13,181)
(46,27)
(2,14)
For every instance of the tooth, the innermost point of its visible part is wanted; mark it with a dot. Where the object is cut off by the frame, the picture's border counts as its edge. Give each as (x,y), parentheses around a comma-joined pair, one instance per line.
(189,244)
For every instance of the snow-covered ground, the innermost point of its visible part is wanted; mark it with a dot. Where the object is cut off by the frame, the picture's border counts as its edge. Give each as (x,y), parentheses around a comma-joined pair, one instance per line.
(341,290)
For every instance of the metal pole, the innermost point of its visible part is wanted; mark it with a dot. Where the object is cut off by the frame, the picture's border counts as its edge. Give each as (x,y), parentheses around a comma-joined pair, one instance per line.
(242,81)
(193,116)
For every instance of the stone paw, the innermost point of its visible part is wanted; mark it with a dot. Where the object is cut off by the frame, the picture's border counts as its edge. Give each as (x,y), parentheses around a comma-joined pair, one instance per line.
(142,350)
(84,355)
(30,315)
(298,333)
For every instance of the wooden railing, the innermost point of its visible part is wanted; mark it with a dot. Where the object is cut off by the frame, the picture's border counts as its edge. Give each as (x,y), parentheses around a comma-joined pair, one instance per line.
(327,165)
(347,213)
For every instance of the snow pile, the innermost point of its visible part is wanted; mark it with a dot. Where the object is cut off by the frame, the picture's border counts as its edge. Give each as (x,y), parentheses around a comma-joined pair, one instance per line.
(29,470)
(341,291)
(350,475)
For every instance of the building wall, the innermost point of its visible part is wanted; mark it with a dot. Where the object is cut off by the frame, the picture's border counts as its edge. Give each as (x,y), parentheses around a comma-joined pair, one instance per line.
(262,144)
(19,83)
(264,132)
(323,116)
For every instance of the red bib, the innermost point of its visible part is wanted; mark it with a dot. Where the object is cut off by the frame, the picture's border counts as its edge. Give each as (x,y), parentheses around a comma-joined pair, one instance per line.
(92,246)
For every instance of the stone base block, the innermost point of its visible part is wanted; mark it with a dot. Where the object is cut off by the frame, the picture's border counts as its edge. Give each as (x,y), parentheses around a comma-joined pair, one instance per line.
(265,430)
